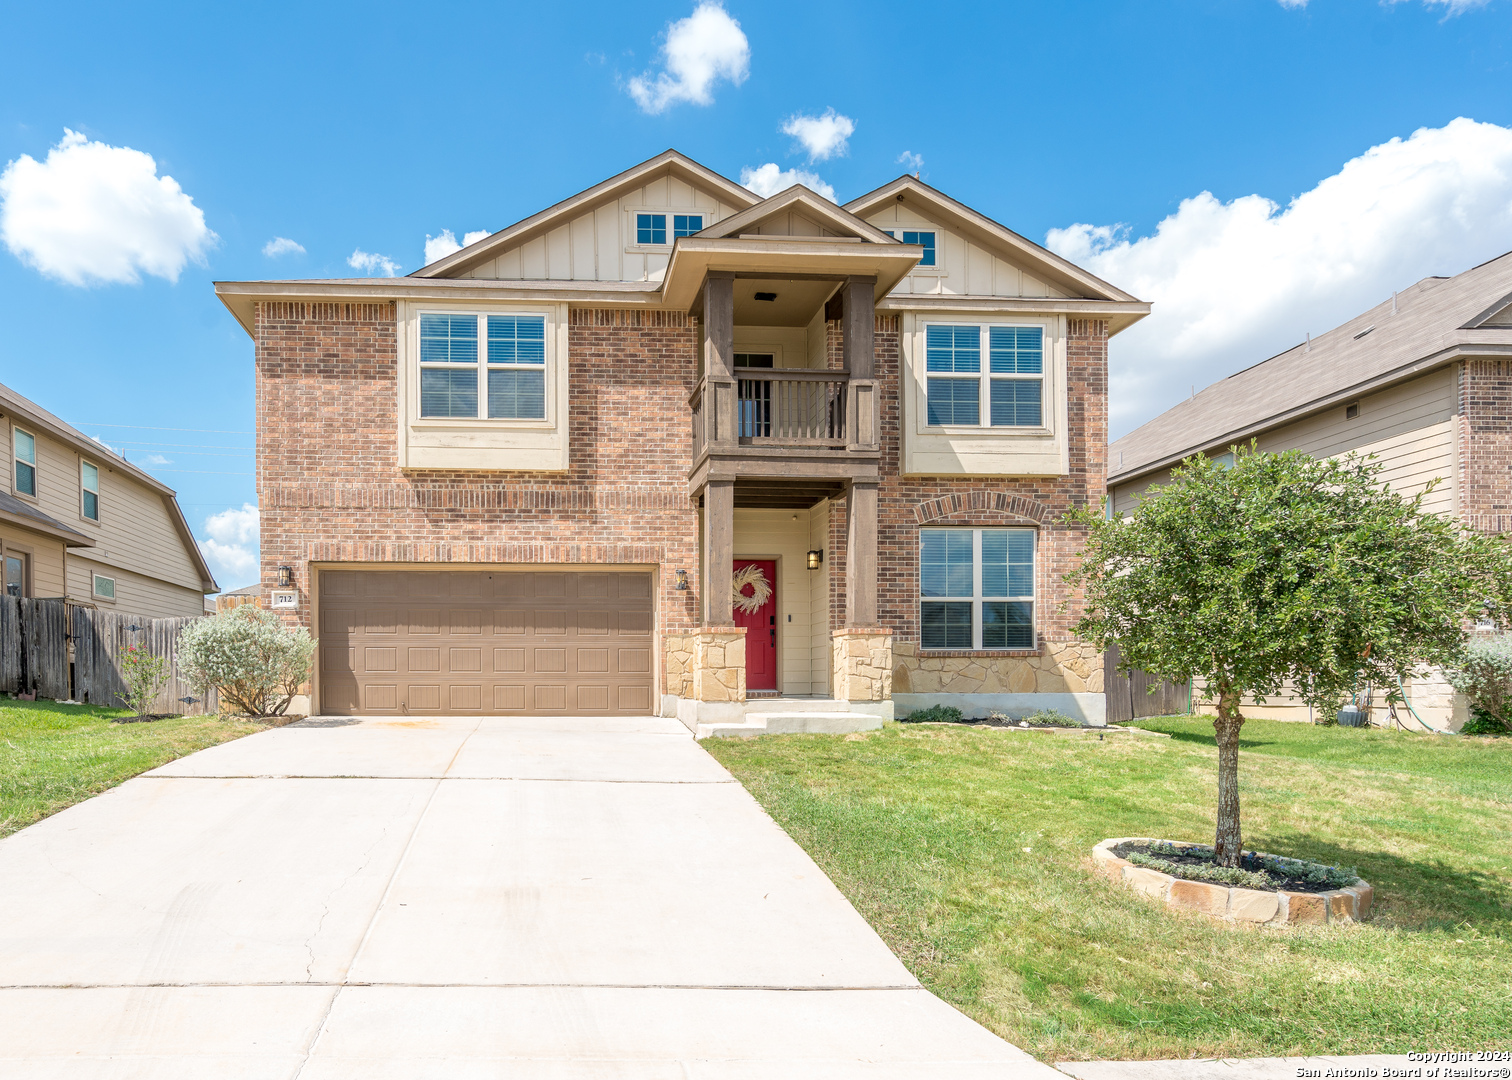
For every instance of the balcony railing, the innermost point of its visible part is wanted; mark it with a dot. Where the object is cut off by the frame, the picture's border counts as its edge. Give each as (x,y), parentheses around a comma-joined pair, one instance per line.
(784,408)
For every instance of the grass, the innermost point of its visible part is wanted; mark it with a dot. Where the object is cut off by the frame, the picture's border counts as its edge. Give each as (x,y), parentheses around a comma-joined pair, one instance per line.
(968,850)
(52,756)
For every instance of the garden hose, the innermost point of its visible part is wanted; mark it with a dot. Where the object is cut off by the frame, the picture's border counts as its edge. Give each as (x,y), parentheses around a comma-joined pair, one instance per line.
(1403,687)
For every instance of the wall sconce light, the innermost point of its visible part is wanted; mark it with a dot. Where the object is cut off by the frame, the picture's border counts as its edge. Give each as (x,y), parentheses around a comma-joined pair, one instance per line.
(285,577)
(816,558)
(682,581)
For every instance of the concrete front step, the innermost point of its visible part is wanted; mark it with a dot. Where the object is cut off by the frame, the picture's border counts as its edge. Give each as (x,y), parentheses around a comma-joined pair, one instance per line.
(766,705)
(791,723)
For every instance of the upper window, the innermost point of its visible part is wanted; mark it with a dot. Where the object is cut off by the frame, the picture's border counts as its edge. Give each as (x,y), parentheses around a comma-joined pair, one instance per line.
(504,380)
(925,240)
(650,228)
(976,588)
(26,463)
(1011,383)
(686,224)
(89,483)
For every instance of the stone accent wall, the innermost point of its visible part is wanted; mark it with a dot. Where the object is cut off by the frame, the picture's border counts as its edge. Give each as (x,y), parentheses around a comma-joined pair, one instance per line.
(1059,663)
(680,651)
(330,487)
(719,663)
(1485,444)
(863,663)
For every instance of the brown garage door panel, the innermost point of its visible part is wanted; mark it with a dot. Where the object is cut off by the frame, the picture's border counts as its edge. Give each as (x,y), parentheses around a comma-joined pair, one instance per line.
(495,642)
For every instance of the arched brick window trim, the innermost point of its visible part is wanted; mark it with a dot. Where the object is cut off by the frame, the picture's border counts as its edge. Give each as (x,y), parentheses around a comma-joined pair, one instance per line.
(1016,509)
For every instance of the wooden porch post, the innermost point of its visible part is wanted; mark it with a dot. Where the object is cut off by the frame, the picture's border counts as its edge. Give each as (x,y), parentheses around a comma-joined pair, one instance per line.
(719,357)
(861,554)
(859,350)
(718,552)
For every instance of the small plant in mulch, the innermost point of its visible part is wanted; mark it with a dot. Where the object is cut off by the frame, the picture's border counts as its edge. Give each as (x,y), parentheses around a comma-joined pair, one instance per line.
(1256,870)
(144,672)
(145,718)
(949,714)
(935,714)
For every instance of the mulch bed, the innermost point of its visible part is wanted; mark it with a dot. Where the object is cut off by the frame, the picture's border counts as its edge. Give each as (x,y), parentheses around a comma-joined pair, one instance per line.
(1247,861)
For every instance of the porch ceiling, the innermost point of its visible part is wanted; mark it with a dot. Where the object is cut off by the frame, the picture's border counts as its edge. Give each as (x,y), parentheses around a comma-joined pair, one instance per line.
(798,300)
(758,493)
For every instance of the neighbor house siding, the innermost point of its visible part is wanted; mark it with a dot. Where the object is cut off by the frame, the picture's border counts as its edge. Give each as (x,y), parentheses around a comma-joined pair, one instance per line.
(46,554)
(136,593)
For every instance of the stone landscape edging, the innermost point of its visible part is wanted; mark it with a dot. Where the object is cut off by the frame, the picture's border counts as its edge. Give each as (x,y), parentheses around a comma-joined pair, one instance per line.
(1280,908)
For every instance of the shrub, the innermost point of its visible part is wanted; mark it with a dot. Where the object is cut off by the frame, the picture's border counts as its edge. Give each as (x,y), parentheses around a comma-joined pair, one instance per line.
(255,662)
(1484,675)
(144,674)
(935,714)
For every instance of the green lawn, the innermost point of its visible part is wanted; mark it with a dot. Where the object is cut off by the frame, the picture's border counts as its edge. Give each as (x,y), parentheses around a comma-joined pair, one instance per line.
(968,850)
(52,756)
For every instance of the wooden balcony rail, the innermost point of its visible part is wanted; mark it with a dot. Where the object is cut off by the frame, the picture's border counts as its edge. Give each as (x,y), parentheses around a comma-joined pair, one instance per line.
(779,407)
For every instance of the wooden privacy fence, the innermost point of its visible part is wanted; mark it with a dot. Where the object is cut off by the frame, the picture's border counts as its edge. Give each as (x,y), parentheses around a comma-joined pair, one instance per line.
(64,651)
(1130,695)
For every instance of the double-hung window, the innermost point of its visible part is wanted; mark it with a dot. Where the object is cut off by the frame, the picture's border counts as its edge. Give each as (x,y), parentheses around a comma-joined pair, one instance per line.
(976,588)
(686,224)
(25,446)
(925,240)
(1011,382)
(504,379)
(89,485)
(651,229)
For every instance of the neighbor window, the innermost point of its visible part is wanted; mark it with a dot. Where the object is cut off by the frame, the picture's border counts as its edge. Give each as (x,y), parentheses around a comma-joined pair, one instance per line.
(650,228)
(504,380)
(1011,382)
(925,240)
(15,574)
(26,463)
(104,587)
(686,224)
(89,481)
(976,588)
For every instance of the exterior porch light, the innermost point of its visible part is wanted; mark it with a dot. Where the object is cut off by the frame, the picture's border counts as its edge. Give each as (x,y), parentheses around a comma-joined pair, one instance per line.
(815,558)
(285,577)
(682,581)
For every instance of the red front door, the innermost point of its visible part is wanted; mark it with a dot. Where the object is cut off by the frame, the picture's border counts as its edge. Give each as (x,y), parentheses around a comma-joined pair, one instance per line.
(760,624)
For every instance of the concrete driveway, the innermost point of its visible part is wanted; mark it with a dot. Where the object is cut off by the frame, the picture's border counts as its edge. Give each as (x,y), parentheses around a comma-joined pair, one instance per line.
(450,898)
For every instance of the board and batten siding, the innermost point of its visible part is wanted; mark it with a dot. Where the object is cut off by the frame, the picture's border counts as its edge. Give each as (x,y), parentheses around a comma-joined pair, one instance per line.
(599,244)
(965,266)
(1408,427)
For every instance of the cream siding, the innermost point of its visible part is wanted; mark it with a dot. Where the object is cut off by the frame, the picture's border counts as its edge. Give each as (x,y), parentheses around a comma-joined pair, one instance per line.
(45,555)
(964,265)
(135,593)
(599,243)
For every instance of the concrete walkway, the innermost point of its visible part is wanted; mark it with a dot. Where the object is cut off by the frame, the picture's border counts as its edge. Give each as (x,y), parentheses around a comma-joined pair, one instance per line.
(450,898)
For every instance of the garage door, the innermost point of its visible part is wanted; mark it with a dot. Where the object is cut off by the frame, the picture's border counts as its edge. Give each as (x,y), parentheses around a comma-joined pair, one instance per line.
(486,642)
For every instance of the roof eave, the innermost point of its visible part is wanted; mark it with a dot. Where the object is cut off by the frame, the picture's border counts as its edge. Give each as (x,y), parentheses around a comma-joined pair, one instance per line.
(693,259)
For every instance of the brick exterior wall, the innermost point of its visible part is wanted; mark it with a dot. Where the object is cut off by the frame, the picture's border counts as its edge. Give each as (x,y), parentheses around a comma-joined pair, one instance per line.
(331,490)
(1485,444)
(330,487)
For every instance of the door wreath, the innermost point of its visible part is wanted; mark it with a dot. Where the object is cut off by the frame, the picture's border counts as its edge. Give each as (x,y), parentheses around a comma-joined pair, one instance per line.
(761,589)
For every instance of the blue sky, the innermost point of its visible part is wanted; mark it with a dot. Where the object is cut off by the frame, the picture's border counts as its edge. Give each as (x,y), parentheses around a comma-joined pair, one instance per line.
(368,127)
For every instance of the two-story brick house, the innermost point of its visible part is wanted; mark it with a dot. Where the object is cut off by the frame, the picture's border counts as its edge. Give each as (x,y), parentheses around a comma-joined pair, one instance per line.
(670,447)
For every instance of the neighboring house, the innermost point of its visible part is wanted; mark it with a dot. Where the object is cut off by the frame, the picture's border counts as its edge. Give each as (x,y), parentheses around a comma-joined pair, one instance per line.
(249,594)
(78,521)
(528,477)
(1423,381)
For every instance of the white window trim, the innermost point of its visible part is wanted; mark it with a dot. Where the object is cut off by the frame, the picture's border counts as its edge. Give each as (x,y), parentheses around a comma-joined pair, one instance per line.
(938,269)
(632,245)
(16,461)
(94,587)
(985,378)
(83,488)
(976,597)
(482,366)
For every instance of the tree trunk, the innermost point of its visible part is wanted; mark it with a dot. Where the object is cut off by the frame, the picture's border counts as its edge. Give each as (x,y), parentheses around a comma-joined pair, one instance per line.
(1228,844)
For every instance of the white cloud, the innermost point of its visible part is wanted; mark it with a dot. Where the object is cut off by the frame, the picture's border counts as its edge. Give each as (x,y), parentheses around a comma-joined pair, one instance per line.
(232,542)
(822,136)
(911,162)
(439,247)
(95,213)
(1451,7)
(106,445)
(158,459)
(282,245)
(1292,4)
(706,46)
(372,265)
(1233,283)
(767,180)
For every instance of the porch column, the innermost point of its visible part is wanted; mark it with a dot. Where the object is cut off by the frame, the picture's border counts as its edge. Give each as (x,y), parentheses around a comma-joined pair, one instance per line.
(719,552)
(859,350)
(719,357)
(861,554)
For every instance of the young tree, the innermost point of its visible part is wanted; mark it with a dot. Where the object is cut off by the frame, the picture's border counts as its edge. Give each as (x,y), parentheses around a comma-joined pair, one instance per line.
(144,674)
(1283,568)
(248,654)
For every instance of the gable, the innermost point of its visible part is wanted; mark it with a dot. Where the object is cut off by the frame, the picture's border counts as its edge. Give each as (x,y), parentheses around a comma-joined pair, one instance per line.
(797,212)
(965,265)
(598,243)
(1498,318)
